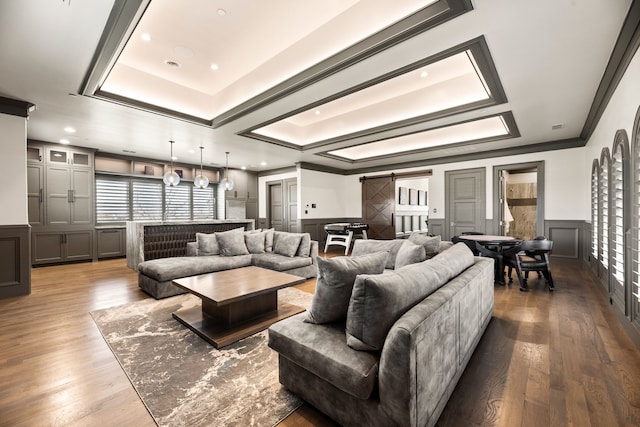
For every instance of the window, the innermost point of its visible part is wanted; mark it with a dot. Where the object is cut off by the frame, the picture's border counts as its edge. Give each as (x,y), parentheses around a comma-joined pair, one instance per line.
(112,200)
(178,201)
(619,161)
(147,200)
(594,209)
(635,239)
(604,208)
(120,199)
(203,203)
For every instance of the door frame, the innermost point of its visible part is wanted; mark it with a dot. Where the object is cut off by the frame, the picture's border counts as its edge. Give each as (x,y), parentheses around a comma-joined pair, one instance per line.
(447,198)
(497,171)
(268,185)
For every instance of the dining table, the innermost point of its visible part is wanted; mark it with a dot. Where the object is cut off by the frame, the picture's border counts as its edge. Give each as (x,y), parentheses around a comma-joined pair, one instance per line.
(493,246)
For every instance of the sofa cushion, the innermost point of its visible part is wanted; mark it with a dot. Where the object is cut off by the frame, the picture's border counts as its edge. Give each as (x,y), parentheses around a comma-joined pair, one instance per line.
(207,244)
(277,262)
(335,283)
(378,301)
(286,243)
(255,242)
(268,240)
(305,245)
(164,269)
(409,253)
(232,242)
(321,349)
(363,247)
(431,244)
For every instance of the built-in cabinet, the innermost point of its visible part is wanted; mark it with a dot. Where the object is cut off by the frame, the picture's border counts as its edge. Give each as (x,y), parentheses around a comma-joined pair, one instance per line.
(245,192)
(60,186)
(111,242)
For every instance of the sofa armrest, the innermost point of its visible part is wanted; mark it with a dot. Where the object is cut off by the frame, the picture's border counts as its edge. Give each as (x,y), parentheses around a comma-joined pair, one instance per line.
(314,251)
(192,248)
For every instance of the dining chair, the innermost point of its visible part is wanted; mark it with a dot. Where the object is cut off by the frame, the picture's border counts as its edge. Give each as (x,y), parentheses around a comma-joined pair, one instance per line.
(533,255)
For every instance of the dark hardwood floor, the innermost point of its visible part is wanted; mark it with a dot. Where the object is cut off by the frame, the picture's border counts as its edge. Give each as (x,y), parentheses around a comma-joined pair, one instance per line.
(545,360)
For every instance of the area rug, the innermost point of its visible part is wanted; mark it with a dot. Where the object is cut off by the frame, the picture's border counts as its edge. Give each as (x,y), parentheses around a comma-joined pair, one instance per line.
(183,380)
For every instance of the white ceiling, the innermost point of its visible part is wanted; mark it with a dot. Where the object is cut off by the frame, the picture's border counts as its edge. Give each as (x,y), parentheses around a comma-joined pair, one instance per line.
(550,56)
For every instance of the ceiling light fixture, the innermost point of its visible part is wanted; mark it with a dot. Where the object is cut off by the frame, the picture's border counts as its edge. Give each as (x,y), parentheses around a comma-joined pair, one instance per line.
(227,183)
(65,141)
(424,74)
(214,67)
(201,181)
(146,37)
(222,12)
(69,129)
(171,178)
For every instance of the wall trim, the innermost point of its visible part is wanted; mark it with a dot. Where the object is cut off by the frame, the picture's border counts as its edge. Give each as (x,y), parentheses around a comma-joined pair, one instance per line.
(15,260)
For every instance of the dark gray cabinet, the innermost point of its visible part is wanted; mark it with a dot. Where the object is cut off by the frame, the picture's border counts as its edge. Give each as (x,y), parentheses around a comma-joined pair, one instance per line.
(35,196)
(111,242)
(69,195)
(53,247)
(245,191)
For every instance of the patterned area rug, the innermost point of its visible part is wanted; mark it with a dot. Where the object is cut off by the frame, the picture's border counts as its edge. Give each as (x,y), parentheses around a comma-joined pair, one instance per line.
(183,380)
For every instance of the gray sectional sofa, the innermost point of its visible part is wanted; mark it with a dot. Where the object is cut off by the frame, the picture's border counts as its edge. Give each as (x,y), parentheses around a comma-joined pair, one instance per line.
(385,346)
(293,253)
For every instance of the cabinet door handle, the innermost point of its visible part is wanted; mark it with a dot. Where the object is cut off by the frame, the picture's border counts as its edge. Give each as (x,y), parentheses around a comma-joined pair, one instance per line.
(69,196)
(73,195)
(40,195)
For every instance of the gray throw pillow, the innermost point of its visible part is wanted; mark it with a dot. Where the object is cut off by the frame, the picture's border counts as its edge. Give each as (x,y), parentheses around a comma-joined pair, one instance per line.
(255,242)
(335,283)
(287,244)
(370,246)
(305,245)
(409,253)
(207,244)
(431,243)
(232,242)
(268,240)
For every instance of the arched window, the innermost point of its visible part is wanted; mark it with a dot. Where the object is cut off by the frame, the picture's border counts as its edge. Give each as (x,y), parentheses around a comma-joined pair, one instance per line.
(595,170)
(619,209)
(635,227)
(603,238)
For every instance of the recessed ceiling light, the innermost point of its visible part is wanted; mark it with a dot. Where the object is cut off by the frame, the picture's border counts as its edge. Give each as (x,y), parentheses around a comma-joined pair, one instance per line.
(317,112)
(243,168)
(191,151)
(424,74)
(214,67)
(65,141)
(263,163)
(171,63)
(222,12)
(174,158)
(146,37)
(69,129)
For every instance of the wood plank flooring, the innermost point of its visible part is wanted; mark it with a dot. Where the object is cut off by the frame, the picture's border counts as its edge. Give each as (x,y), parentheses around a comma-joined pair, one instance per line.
(545,360)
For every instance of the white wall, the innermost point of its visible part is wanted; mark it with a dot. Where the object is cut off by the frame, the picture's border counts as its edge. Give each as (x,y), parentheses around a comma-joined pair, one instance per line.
(619,114)
(13,194)
(566,191)
(335,196)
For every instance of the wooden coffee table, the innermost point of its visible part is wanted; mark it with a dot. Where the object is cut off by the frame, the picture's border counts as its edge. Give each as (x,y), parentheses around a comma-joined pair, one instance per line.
(236,303)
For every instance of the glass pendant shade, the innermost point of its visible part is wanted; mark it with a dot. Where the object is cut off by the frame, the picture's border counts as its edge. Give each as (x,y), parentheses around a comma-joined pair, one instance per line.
(201,181)
(227,183)
(171,178)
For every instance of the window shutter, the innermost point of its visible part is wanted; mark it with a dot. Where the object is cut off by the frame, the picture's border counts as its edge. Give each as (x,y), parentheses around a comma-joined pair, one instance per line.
(112,200)
(147,201)
(594,213)
(178,203)
(203,203)
(604,214)
(617,216)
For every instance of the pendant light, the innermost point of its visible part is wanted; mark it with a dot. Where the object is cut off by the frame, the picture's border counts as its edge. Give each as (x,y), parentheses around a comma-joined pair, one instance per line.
(171,178)
(201,181)
(227,183)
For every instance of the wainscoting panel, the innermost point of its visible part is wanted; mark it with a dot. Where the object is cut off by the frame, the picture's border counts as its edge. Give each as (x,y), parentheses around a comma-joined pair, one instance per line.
(15,260)
(436,227)
(567,238)
(315,227)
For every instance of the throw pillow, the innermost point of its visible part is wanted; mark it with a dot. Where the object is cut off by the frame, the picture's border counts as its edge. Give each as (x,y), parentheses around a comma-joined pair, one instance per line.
(287,244)
(255,242)
(207,244)
(363,247)
(268,241)
(232,242)
(305,245)
(409,253)
(431,243)
(335,283)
